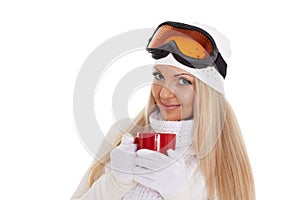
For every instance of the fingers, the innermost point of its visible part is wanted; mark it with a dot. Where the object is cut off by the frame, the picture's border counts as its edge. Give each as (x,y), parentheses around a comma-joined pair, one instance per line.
(145,173)
(127,139)
(173,154)
(120,153)
(152,160)
(127,143)
(146,181)
(128,147)
(139,171)
(151,155)
(148,164)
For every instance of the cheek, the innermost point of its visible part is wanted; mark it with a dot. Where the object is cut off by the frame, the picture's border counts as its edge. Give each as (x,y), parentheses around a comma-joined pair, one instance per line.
(186,96)
(155,91)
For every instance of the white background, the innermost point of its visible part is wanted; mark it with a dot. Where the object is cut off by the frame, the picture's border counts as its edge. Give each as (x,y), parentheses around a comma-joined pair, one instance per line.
(43,45)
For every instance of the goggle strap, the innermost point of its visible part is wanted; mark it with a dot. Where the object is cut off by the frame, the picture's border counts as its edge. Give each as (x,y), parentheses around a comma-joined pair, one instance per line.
(221,65)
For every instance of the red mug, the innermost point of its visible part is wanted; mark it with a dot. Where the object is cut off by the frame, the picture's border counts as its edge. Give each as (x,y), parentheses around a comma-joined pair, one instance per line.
(160,142)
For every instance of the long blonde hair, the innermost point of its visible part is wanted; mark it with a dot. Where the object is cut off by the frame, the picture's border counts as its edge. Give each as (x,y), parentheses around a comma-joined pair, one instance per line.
(223,159)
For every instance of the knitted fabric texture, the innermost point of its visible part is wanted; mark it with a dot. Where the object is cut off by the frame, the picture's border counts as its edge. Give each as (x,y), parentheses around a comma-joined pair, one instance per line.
(183,130)
(184,137)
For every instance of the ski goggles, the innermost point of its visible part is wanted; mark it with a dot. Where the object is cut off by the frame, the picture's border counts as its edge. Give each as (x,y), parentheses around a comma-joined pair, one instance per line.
(190,45)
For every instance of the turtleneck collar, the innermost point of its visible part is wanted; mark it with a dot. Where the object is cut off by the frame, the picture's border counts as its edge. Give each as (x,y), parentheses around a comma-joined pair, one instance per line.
(183,130)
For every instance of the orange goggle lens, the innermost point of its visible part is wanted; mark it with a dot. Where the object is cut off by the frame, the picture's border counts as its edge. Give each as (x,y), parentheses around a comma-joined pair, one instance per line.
(190,43)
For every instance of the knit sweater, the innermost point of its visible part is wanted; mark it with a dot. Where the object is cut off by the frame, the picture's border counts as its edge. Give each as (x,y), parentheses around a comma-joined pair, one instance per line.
(184,137)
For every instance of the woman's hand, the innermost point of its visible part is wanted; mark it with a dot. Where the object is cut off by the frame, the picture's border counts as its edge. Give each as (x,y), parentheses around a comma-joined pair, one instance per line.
(122,160)
(165,174)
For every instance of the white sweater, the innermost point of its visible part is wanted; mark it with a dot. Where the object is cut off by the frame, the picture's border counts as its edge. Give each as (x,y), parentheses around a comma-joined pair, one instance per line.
(105,188)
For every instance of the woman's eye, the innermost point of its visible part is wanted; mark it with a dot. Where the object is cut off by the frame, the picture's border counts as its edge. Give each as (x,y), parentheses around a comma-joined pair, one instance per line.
(158,76)
(184,81)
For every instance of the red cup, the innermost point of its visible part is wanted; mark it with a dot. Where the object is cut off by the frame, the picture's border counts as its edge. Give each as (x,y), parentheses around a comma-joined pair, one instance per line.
(160,142)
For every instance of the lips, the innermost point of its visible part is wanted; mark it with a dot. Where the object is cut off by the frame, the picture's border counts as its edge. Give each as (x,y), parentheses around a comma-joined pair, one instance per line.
(169,106)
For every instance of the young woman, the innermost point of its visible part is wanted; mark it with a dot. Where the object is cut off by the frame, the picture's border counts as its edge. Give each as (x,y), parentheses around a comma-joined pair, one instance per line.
(187,98)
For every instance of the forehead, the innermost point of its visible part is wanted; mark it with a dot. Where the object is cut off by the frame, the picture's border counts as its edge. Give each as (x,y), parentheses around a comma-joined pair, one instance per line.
(170,69)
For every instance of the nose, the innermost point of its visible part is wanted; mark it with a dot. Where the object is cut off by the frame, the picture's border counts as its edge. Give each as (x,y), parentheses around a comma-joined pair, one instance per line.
(166,93)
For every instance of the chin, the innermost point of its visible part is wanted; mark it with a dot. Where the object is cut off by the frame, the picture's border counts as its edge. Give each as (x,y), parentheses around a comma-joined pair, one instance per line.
(175,116)
(169,117)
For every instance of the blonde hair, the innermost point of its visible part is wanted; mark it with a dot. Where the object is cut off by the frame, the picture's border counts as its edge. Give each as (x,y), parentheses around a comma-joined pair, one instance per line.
(218,142)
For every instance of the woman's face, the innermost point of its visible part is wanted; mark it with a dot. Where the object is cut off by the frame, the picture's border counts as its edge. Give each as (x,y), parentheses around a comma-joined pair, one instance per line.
(173,92)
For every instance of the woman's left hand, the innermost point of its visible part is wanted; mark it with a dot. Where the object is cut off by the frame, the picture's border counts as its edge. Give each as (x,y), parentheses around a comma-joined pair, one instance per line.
(165,174)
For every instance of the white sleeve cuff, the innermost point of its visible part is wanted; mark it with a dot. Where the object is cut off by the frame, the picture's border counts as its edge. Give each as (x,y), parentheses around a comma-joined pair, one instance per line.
(111,189)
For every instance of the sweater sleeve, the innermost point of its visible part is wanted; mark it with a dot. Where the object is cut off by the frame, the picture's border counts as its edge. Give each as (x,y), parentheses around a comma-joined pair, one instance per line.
(82,188)
(105,188)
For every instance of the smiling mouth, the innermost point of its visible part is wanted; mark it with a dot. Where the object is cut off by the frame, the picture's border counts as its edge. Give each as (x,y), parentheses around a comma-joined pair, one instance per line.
(170,106)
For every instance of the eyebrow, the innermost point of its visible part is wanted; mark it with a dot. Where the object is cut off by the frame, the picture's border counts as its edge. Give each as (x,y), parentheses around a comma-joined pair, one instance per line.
(175,75)
(183,74)
(157,69)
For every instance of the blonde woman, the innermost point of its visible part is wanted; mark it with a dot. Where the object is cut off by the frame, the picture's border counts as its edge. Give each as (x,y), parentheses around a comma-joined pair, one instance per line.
(187,98)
